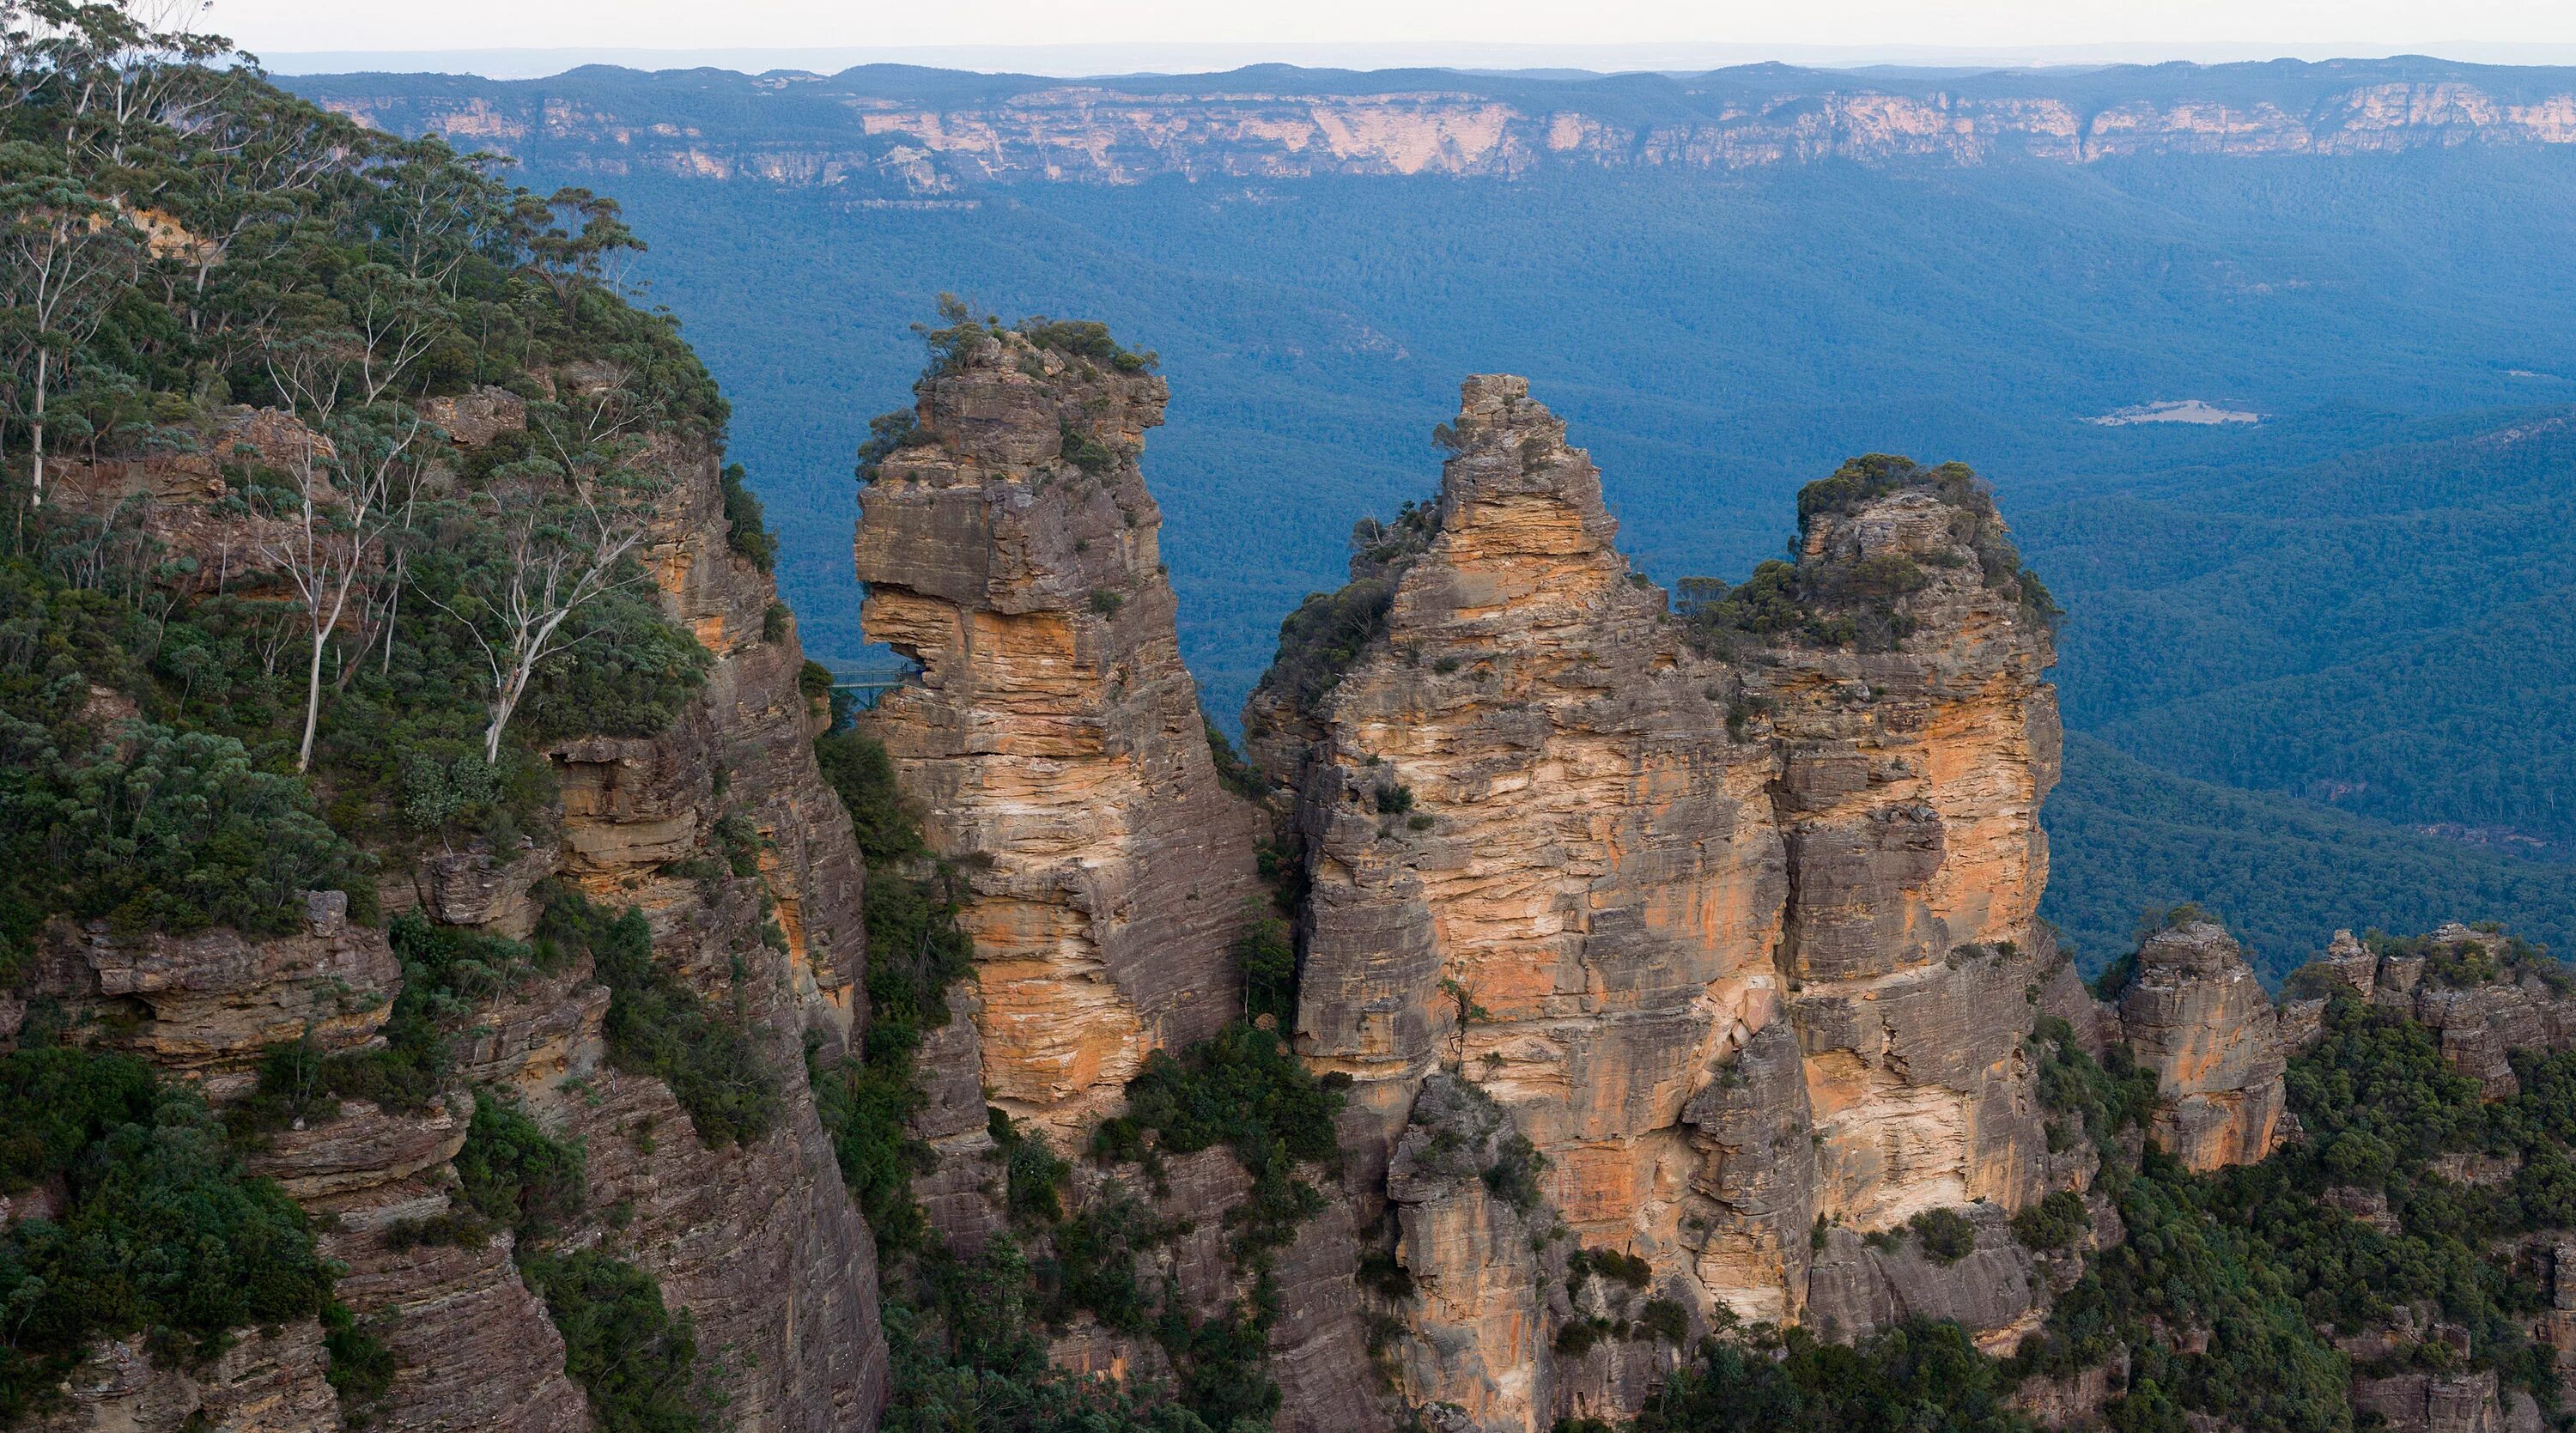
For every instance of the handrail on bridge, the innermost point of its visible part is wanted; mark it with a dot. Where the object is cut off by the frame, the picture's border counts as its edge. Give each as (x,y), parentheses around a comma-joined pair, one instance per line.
(871,679)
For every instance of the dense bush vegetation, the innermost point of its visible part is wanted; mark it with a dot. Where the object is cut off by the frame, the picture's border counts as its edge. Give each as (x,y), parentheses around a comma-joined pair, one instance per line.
(1324,638)
(659,1025)
(514,1174)
(746,525)
(635,1359)
(160,1233)
(1915,1378)
(1835,600)
(915,952)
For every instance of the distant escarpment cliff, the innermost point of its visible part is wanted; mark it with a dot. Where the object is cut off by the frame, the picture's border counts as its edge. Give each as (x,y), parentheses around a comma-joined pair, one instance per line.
(903,131)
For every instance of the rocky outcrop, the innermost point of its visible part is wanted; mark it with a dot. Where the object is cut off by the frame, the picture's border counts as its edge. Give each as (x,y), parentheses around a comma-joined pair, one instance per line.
(947,135)
(2445,1403)
(1480,1340)
(1858,1288)
(1054,739)
(758,1241)
(209,1004)
(1734,925)
(2194,1014)
(2485,992)
(268,1381)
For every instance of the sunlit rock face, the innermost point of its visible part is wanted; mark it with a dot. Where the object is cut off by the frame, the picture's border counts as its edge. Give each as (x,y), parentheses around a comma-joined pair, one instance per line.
(1054,738)
(2195,1015)
(1734,926)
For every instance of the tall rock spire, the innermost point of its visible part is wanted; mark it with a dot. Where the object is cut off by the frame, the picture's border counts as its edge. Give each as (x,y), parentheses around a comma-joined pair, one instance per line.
(1009,547)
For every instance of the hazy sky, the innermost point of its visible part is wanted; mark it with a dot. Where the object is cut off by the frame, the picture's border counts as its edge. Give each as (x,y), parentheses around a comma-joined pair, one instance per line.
(292,25)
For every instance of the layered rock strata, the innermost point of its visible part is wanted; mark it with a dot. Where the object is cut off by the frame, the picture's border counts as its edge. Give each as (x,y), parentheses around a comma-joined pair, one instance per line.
(1054,738)
(2481,989)
(759,1242)
(1058,757)
(1734,927)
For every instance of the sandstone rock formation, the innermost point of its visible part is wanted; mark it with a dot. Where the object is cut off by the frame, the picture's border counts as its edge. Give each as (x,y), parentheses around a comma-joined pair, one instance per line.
(758,1241)
(271,1381)
(1733,925)
(2485,992)
(210,1003)
(2195,1015)
(1054,738)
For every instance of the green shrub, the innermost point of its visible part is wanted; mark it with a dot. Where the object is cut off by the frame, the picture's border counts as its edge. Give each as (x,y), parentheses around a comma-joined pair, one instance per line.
(1091,1263)
(634,672)
(361,1367)
(861,773)
(1944,1235)
(1083,338)
(511,1172)
(1578,1336)
(1513,1176)
(159,829)
(1241,1088)
(1089,454)
(745,530)
(2055,1222)
(1665,1319)
(1268,960)
(1324,638)
(162,1231)
(1239,775)
(888,434)
(1611,1264)
(635,1360)
(657,1025)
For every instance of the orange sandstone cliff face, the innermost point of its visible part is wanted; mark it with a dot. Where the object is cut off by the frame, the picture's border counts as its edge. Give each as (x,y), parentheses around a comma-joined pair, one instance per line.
(1054,739)
(1733,927)
(1056,751)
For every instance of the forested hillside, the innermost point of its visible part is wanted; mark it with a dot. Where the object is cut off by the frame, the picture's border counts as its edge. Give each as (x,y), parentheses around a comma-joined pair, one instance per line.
(2384,629)
(2125,837)
(354,523)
